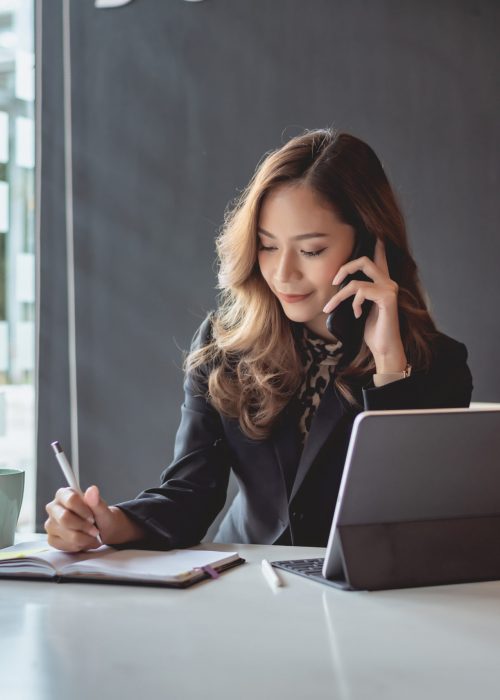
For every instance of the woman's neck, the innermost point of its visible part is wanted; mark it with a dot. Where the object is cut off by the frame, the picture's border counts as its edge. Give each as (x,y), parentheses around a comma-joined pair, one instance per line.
(318,327)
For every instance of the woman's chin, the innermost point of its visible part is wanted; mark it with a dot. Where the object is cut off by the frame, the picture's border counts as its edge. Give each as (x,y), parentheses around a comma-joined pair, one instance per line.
(300,315)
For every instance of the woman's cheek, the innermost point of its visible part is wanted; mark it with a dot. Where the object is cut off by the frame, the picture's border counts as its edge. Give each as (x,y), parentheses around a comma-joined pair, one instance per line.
(264,272)
(333,266)
(327,273)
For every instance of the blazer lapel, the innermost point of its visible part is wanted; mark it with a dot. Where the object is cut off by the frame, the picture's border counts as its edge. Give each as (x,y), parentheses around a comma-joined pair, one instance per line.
(287,444)
(325,419)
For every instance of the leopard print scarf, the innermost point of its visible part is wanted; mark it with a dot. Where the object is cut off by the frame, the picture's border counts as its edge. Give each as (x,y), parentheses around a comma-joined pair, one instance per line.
(319,358)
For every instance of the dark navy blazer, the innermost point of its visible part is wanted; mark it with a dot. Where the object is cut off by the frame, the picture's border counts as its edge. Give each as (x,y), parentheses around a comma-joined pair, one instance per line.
(284,495)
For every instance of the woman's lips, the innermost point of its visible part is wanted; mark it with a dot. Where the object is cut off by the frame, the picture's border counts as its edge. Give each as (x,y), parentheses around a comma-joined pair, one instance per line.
(292,298)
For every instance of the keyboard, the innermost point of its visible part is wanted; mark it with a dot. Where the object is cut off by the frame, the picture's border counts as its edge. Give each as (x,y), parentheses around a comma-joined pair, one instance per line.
(311,568)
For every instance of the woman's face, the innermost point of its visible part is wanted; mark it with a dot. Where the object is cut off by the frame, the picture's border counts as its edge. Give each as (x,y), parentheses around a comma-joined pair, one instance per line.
(302,243)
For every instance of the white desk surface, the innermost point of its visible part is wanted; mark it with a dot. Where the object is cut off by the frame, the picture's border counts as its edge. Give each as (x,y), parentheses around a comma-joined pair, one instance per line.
(235,638)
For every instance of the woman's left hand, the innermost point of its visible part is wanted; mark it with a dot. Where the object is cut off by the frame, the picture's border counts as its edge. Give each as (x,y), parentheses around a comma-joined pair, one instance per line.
(382,333)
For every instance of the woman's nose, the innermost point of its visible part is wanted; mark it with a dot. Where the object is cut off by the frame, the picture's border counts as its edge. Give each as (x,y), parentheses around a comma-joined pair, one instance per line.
(286,269)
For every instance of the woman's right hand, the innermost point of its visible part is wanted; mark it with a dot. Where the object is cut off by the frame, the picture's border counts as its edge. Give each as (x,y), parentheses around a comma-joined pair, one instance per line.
(75,522)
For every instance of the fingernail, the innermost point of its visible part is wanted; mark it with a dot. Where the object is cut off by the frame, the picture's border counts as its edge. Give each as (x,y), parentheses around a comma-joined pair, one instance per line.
(326,309)
(335,279)
(94,531)
(90,520)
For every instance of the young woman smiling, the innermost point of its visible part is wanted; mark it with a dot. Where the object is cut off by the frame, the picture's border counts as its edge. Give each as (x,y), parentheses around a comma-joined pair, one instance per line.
(270,392)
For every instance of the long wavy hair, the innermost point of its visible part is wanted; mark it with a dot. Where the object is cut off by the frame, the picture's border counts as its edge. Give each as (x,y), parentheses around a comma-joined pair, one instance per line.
(251,367)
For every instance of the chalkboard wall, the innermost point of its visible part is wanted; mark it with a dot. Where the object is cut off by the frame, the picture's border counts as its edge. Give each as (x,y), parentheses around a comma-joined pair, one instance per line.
(173,104)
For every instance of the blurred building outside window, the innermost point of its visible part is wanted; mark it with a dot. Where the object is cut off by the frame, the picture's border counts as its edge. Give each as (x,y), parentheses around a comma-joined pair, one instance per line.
(17,246)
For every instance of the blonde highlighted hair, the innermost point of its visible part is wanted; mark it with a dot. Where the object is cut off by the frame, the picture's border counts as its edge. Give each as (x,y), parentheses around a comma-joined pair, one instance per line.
(251,367)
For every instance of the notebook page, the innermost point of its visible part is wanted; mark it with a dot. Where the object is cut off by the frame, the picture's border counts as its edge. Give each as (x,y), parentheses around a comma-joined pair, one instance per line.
(60,560)
(38,557)
(135,564)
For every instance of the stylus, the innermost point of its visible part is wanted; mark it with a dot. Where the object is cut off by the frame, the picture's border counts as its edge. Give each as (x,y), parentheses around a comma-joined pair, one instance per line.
(270,575)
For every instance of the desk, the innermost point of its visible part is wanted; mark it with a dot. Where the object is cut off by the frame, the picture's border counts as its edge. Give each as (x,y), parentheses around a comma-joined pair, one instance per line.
(234,638)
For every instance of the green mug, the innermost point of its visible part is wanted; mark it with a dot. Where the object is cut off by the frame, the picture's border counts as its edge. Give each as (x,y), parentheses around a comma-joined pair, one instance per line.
(11,497)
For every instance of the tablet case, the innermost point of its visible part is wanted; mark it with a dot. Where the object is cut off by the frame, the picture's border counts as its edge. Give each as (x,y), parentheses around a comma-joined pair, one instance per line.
(425,553)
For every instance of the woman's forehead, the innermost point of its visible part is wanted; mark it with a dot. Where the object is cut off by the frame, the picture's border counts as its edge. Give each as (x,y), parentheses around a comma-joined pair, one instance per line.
(298,208)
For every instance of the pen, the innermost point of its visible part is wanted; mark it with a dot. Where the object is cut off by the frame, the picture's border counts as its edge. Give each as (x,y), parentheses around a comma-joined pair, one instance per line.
(68,471)
(66,466)
(270,575)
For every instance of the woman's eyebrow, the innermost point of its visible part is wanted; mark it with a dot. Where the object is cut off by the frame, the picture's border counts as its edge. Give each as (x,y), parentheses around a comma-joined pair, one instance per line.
(300,237)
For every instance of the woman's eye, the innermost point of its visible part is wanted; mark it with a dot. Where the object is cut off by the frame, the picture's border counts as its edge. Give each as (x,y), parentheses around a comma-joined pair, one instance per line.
(307,253)
(312,253)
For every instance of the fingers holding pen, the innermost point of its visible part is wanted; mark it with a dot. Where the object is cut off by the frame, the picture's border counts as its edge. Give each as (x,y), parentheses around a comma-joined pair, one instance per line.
(73,501)
(78,537)
(68,527)
(62,544)
(72,542)
(67,520)
(72,523)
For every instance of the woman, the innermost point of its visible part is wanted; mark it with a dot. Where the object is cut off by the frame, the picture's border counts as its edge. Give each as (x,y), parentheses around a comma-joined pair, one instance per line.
(271,392)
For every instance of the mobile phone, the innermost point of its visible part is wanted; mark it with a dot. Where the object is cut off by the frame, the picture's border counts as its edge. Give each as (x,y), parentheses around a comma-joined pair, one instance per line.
(341,322)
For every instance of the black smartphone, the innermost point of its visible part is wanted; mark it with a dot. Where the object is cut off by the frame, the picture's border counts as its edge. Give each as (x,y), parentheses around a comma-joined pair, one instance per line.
(341,322)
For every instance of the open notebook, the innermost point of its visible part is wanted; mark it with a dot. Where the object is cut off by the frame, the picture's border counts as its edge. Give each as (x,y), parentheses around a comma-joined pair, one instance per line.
(177,567)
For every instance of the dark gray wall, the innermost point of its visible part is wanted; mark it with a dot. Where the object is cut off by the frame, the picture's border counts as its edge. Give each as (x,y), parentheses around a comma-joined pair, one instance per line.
(53,393)
(173,105)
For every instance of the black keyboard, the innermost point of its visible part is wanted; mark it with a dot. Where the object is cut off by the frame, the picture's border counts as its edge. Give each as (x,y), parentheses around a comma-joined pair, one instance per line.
(304,567)
(311,569)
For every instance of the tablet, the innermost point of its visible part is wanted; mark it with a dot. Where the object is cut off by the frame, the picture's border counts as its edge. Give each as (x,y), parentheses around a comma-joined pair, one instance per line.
(414,467)
(418,503)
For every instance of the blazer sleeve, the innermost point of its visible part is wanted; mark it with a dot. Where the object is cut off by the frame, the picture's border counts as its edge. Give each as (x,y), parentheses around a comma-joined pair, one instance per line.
(193,488)
(447,383)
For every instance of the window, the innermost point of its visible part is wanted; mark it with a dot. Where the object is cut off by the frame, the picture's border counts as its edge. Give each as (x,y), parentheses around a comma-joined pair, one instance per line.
(17,246)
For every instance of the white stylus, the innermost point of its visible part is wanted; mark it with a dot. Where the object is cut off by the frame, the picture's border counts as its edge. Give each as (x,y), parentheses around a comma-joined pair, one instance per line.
(270,575)
(67,470)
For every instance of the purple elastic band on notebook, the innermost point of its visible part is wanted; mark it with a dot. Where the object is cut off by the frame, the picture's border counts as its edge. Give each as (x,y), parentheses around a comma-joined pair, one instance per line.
(210,571)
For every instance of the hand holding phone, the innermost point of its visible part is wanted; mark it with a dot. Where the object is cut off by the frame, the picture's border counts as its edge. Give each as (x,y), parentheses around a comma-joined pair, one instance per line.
(380,331)
(341,322)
